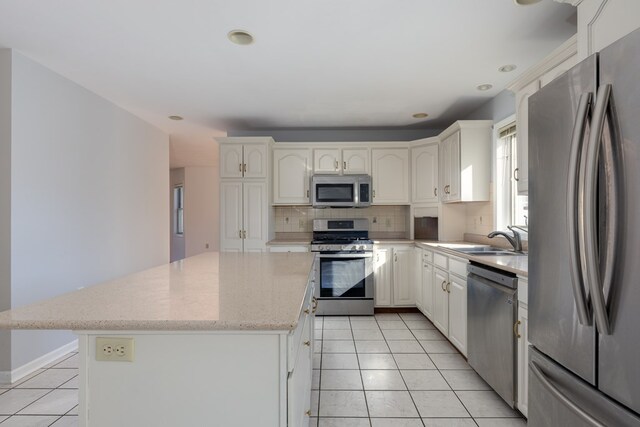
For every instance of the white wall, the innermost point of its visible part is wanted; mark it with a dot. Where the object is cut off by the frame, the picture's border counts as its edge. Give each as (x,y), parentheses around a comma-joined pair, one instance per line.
(177,241)
(201,210)
(5,201)
(88,194)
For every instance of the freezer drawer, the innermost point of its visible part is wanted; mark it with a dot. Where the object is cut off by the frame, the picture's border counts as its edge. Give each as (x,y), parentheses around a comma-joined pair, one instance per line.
(559,398)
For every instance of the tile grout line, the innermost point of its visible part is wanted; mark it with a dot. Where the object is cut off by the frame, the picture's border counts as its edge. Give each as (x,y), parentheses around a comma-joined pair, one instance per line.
(364,392)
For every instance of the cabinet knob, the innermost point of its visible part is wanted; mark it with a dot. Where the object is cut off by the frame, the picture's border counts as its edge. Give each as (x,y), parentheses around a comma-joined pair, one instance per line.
(515,329)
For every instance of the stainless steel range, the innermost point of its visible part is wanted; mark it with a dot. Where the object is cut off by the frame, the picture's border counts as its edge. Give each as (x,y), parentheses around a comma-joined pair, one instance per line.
(344,277)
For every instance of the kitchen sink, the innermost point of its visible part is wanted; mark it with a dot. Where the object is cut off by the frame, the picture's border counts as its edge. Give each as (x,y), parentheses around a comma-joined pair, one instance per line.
(487,250)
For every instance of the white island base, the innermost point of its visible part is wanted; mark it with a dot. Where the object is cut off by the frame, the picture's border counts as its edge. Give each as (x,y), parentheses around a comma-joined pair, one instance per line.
(197,379)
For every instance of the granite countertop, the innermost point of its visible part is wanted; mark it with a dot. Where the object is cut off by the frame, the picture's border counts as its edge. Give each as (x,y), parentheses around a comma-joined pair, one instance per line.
(517,264)
(207,292)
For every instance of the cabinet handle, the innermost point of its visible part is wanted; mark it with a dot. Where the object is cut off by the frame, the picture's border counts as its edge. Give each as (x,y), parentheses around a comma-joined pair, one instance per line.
(240,167)
(435,191)
(307,343)
(244,234)
(240,234)
(344,165)
(315,304)
(395,257)
(307,193)
(374,193)
(308,413)
(515,329)
(515,174)
(336,164)
(244,167)
(448,287)
(442,286)
(307,311)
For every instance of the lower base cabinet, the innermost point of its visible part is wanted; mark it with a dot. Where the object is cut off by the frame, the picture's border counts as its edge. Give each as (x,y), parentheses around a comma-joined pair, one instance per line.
(393,276)
(521,329)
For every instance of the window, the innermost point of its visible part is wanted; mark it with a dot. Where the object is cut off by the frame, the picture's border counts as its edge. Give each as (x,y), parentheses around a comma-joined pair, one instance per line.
(178,209)
(511,208)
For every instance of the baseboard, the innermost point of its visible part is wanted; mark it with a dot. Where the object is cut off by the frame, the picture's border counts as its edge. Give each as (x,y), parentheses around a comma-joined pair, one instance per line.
(34,365)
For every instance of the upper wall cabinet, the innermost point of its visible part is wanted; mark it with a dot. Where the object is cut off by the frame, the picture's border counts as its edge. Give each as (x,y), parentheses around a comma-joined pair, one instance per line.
(465,161)
(390,175)
(341,161)
(244,157)
(424,173)
(551,67)
(291,172)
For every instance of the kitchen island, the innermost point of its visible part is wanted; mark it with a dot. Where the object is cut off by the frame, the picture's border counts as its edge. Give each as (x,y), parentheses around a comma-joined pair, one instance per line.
(218,339)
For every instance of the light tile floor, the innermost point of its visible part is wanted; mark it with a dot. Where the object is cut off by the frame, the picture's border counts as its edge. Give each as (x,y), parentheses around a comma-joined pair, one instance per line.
(48,397)
(391,370)
(397,370)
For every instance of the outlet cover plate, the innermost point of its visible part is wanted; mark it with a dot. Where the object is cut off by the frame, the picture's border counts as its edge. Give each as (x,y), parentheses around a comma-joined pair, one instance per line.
(114,349)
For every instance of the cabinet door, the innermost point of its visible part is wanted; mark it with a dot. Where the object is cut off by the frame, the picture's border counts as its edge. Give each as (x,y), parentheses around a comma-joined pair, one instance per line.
(231,216)
(255,216)
(390,175)
(458,312)
(355,161)
(522,127)
(427,289)
(291,176)
(454,167)
(255,160)
(523,359)
(417,277)
(382,276)
(425,174)
(299,382)
(441,301)
(403,277)
(230,161)
(444,169)
(327,160)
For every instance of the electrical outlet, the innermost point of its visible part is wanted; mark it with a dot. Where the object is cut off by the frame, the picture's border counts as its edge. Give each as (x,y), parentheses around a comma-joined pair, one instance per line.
(114,349)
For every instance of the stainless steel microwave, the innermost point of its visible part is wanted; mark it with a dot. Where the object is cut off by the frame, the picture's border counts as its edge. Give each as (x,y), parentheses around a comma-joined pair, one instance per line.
(340,191)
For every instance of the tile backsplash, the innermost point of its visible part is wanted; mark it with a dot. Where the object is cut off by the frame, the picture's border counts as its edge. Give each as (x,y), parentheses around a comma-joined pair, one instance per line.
(382,219)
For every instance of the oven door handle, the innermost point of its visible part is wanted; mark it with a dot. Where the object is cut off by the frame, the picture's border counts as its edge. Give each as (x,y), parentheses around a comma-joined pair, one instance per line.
(360,255)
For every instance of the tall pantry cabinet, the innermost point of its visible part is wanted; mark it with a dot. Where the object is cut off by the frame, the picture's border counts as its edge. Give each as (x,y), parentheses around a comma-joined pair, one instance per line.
(245,199)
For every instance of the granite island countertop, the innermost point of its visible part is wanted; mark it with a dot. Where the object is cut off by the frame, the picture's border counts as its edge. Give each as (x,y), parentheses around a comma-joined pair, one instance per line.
(206,292)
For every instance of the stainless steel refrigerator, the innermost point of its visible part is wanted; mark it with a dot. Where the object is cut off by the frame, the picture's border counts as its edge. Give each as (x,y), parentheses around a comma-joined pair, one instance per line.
(584,259)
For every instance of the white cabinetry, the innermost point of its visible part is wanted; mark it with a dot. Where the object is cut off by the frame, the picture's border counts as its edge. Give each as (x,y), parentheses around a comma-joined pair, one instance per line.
(417,279)
(245,210)
(446,282)
(244,216)
(424,173)
(291,168)
(390,175)
(240,159)
(465,161)
(382,275)
(393,276)
(559,61)
(522,336)
(341,161)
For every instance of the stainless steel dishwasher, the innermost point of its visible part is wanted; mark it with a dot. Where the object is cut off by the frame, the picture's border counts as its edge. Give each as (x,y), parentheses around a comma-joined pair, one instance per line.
(492,305)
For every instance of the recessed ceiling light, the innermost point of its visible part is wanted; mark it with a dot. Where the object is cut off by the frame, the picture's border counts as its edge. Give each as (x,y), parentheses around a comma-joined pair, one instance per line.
(241,37)
(507,68)
(525,2)
(420,115)
(484,87)
(176,117)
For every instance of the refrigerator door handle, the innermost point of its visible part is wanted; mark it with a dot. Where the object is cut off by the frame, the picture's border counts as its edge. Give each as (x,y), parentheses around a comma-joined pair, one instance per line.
(590,198)
(586,417)
(576,234)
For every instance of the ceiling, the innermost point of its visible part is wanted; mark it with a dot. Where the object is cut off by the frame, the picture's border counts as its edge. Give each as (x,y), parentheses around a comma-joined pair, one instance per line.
(314,64)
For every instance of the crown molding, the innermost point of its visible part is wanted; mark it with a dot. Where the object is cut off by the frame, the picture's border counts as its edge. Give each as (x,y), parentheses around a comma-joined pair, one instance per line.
(562,53)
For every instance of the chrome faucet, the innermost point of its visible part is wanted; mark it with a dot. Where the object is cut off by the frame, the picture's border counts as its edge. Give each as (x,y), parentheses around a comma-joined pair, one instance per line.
(515,241)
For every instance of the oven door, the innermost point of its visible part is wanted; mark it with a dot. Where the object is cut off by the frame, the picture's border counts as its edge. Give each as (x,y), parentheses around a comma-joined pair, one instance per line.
(345,276)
